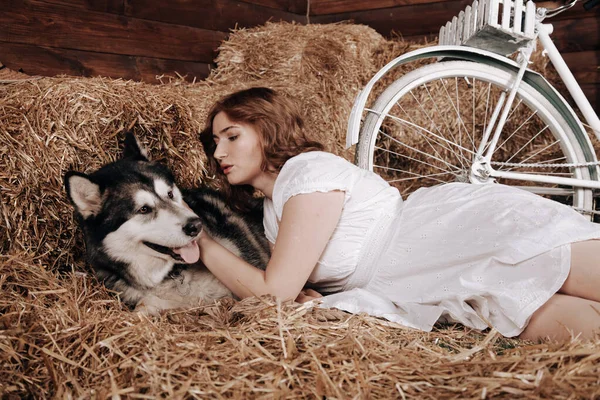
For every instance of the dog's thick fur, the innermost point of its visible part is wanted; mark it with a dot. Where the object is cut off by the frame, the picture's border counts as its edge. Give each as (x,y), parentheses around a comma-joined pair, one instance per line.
(137,228)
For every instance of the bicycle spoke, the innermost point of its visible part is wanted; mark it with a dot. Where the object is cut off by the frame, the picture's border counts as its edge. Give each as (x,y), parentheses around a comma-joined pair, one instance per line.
(415,175)
(454,106)
(525,145)
(418,151)
(554,160)
(487,103)
(516,130)
(428,117)
(473,111)
(467,133)
(514,109)
(431,133)
(427,139)
(438,112)
(419,176)
(458,110)
(538,152)
(459,156)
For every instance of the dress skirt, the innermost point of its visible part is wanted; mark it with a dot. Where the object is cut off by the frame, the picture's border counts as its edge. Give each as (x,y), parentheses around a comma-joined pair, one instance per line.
(481,255)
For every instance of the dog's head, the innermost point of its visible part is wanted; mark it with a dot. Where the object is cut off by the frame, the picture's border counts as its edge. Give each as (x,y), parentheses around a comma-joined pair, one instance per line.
(132,211)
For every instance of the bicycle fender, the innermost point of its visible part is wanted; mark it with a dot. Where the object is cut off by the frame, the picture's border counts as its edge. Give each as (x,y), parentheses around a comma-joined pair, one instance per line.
(533,78)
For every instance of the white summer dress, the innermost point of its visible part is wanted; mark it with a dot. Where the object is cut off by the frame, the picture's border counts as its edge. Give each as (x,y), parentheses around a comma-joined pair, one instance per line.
(455,252)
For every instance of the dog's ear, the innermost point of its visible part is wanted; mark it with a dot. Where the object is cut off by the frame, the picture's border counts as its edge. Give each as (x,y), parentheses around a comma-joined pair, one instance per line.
(83,193)
(134,149)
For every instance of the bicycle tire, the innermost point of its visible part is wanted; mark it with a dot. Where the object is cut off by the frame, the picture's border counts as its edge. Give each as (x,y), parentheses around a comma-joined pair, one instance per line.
(403,171)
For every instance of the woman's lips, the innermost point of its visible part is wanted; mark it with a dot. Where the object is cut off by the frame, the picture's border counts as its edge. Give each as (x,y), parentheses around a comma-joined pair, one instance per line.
(227,169)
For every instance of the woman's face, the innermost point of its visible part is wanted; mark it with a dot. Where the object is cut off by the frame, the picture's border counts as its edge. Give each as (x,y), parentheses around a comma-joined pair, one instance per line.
(238,150)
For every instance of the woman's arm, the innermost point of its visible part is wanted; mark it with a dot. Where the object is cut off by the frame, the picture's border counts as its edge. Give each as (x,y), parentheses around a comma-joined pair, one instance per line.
(307,223)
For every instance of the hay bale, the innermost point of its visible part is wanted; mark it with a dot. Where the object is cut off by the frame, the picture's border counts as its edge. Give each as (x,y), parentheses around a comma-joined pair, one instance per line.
(52,125)
(322,66)
(64,335)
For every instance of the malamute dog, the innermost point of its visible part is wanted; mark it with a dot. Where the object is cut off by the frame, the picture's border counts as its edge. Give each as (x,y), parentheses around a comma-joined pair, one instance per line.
(140,236)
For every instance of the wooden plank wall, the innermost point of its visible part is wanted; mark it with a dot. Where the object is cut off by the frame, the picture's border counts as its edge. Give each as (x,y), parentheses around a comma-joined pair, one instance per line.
(131,39)
(140,39)
(576,31)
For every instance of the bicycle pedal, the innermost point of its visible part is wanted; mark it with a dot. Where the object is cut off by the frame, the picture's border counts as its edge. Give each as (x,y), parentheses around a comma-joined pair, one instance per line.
(500,26)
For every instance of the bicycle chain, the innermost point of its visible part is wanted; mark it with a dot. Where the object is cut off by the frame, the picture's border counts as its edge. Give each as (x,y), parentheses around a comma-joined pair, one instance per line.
(588,164)
(585,211)
(534,165)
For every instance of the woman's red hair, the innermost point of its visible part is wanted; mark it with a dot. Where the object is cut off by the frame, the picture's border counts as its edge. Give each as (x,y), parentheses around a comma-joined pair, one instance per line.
(279,125)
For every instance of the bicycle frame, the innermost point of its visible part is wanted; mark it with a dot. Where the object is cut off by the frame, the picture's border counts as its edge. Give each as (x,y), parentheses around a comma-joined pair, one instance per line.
(544,31)
(482,169)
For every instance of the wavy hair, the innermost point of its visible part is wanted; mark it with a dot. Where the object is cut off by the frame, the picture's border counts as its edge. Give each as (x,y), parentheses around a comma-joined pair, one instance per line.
(281,133)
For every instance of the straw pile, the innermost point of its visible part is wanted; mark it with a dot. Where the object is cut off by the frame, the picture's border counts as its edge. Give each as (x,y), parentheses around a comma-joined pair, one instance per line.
(64,335)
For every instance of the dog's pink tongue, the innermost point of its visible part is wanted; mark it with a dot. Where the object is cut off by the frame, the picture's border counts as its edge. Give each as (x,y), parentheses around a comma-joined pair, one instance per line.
(190,253)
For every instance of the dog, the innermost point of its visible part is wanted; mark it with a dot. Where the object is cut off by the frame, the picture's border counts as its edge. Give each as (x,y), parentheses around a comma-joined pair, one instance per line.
(140,232)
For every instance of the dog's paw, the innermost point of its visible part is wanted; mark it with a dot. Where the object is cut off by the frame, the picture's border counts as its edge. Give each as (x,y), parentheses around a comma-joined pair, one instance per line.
(145,310)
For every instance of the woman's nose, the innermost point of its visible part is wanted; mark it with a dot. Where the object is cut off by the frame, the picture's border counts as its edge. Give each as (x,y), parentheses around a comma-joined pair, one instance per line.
(220,151)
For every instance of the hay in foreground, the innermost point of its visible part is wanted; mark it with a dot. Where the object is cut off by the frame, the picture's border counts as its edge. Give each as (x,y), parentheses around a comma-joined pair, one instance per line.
(67,337)
(64,335)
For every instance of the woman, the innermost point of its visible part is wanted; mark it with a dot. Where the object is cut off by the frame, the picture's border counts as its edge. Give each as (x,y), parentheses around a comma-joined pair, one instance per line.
(480,255)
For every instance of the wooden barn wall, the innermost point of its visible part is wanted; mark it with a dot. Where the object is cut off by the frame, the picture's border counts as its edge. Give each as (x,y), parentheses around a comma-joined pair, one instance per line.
(140,39)
(576,31)
(132,39)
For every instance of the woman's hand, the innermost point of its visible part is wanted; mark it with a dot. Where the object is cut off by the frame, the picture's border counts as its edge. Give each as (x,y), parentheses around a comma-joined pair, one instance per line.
(203,237)
(307,223)
(307,295)
(205,242)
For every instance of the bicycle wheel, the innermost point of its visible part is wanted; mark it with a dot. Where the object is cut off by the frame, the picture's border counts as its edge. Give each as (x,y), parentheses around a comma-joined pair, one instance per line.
(426,127)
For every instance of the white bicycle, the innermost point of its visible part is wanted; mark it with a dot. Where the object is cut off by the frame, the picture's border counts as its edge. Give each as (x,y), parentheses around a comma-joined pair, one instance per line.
(478,116)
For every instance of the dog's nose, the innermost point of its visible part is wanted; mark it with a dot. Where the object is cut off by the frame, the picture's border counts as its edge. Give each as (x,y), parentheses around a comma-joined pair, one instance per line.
(193,226)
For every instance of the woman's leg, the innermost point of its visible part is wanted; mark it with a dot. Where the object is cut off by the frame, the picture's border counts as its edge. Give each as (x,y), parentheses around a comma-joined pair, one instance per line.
(584,277)
(562,314)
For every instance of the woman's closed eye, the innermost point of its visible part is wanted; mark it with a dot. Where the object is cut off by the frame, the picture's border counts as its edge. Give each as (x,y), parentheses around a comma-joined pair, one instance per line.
(230,138)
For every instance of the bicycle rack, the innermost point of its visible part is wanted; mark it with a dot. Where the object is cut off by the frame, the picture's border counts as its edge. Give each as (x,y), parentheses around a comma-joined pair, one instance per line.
(500,26)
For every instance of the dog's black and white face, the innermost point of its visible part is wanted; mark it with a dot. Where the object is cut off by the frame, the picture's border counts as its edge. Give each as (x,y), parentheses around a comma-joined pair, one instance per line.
(132,212)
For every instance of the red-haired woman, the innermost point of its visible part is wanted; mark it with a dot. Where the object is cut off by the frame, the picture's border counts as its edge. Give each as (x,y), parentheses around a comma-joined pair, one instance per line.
(480,255)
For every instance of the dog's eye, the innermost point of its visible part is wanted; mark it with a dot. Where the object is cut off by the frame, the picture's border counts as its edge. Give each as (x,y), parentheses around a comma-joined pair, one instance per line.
(144,210)
(170,194)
